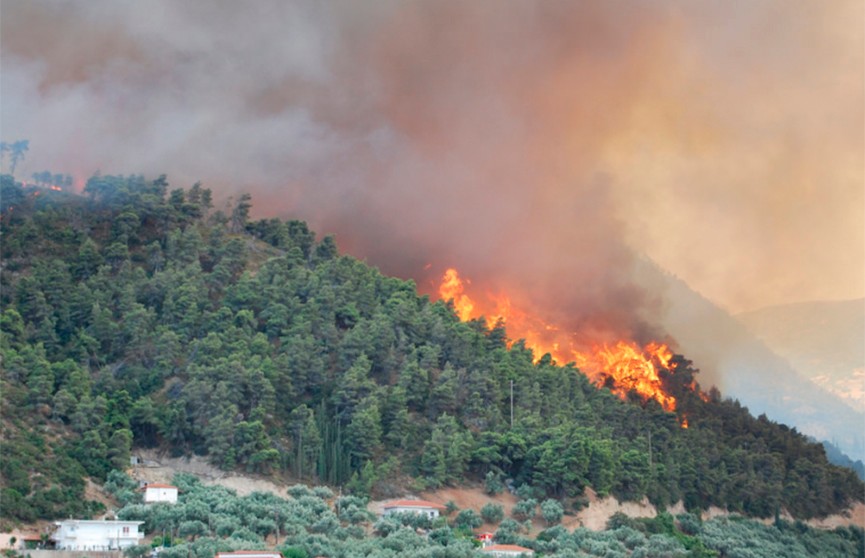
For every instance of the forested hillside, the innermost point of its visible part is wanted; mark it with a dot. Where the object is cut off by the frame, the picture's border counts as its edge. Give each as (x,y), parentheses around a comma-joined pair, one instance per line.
(138,315)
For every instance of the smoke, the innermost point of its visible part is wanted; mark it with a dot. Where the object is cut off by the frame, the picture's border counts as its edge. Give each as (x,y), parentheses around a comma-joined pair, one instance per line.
(537,147)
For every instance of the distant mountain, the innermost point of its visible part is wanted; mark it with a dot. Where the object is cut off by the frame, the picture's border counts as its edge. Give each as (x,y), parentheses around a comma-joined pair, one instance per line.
(836,456)
(743,367)
(823,340)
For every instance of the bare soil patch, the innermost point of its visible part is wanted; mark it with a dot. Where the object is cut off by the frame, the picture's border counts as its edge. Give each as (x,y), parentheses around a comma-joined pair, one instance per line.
(853,516)
(599,511)
(157,468)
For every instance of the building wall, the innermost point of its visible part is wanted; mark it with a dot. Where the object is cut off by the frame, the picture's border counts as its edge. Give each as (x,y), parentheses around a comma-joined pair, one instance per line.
(96,536)
(429,512)
(160,495)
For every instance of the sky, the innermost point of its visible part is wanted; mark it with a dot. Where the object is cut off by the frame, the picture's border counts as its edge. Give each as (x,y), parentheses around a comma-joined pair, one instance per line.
(541,148)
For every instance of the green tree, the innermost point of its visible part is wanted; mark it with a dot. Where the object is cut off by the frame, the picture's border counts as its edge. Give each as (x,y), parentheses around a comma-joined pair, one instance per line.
(552,511)
(525,509)
(240,213)
(468,519)
(306,439)
(364,431)
(492,513)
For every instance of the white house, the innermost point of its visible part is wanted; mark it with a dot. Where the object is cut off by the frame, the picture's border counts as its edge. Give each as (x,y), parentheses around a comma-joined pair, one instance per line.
(507,550)
(155,492)
(85,534)
(422,507)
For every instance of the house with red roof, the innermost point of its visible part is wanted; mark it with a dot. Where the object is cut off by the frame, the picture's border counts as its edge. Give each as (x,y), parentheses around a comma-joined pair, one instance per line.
(422,507)
(156,492)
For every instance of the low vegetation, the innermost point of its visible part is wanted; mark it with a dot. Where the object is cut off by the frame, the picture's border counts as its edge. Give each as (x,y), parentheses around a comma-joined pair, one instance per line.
(312,522)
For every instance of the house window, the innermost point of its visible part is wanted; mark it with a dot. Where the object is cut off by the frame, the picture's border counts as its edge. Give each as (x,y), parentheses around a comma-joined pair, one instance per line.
(126,530)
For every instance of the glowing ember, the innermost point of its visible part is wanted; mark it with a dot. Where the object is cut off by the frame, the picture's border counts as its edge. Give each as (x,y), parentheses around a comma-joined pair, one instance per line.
(623,366)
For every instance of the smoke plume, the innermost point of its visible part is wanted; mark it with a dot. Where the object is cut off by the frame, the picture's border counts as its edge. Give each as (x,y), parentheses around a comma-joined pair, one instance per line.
(536,147)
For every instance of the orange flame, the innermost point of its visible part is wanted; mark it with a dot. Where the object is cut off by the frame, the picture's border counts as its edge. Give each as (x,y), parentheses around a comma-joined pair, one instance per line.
(623,366)
(452,289)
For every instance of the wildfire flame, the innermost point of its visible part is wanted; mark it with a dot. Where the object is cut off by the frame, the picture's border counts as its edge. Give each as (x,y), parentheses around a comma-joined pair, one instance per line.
(623,366)
(452,289)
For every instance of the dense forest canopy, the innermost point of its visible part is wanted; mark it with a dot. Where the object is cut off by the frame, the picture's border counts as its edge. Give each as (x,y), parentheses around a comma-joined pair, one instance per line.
(137,315)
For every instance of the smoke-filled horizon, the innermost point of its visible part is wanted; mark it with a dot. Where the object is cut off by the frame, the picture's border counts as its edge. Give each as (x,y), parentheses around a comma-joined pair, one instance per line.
(536,147)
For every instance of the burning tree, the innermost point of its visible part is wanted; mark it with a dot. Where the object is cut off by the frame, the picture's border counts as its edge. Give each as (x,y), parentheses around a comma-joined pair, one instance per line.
(651,372)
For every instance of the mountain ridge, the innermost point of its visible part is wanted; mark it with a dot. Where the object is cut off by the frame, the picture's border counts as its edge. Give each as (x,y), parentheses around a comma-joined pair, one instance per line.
(746,368)
(139,317)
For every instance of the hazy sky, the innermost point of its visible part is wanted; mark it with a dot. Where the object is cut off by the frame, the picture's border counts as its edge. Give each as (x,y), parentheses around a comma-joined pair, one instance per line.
(534,146)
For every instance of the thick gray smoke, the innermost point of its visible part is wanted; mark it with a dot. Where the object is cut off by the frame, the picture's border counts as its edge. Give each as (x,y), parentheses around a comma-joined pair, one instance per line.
(534,146)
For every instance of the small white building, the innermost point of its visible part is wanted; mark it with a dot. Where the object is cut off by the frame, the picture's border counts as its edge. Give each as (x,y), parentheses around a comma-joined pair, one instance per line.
(85,534)
(507,550)
(155,492)
(421,507)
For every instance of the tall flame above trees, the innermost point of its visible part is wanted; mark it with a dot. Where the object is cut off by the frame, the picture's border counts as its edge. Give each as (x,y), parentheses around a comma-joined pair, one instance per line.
(623,366)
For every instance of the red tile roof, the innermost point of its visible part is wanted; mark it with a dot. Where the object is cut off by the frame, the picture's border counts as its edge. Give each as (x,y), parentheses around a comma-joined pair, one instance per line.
(413,504)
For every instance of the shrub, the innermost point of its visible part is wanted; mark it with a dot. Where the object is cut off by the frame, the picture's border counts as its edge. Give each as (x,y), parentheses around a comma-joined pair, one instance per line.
(451,507)
(492,513)
(137,551)
(526,492)
(580,503)
(294,552)
(442,536)
(468,519)
(552,511)
(193,528)
(525,509)
(507,531)
(689,523)
(299,490)
(326,524)
(493,483)
(619,519)
(386,525)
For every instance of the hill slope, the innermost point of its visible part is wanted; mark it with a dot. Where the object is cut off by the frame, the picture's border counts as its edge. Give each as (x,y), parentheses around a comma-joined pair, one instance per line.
(136,316)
